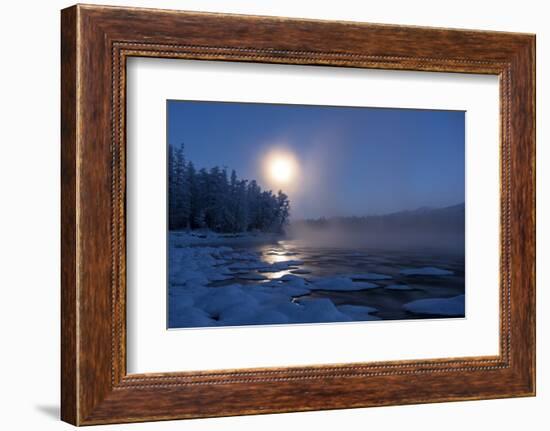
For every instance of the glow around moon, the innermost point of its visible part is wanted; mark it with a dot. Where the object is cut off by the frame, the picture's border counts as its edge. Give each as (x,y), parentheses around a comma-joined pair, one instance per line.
(280,168)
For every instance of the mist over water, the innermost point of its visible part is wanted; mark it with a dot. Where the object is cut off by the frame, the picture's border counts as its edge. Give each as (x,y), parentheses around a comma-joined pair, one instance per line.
(438,230)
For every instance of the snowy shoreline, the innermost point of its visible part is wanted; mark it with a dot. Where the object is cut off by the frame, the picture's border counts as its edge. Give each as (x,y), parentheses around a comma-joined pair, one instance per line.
(184,238)
(194,302)
(213,284)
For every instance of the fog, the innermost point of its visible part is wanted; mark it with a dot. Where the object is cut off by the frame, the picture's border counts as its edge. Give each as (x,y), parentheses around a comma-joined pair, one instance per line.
(439,229)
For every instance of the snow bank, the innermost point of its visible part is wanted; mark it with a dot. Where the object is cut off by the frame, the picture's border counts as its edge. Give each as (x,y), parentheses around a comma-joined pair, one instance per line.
(254,305)
(439,306)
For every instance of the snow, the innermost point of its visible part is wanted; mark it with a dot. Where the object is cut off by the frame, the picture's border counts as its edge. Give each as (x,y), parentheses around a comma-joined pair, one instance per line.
(246,305)
(359,312)
(225,286)
(245,266)
(293,280)
(440,306)
(216,276)
(290,277)
(195,302)
(427,270)
(189,317)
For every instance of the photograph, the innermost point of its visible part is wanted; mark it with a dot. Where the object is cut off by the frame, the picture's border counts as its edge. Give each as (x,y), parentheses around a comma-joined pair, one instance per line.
(304,214)
(283,214)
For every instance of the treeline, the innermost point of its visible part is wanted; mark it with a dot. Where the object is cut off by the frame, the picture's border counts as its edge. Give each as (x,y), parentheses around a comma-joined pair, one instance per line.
(213,199)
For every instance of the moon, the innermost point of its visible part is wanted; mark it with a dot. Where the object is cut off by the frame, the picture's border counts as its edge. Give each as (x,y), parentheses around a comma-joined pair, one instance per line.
(281,167)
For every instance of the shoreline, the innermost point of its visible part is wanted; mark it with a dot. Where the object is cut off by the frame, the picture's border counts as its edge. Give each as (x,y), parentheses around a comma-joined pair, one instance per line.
(209,238)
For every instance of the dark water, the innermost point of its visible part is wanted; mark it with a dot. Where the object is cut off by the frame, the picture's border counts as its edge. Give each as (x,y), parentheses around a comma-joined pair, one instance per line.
(320,262)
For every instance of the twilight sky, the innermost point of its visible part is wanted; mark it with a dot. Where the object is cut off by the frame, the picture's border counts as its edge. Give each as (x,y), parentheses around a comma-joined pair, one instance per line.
(351,161)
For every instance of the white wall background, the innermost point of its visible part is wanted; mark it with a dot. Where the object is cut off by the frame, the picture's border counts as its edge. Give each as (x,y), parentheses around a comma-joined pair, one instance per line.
(29,216)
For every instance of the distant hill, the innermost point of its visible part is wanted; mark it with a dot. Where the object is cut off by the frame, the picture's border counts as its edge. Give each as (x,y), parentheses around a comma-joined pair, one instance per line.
(445,219)
(423,227)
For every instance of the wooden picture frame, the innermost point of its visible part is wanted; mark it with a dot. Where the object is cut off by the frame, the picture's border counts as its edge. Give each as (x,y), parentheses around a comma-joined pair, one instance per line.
(95,43)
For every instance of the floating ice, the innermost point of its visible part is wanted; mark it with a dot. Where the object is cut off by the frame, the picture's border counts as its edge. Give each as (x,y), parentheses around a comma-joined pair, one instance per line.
(293,280)
(427,270)
(439,306)
(321,310)
(358,312)
(188,317)
(194,303)
(214,276)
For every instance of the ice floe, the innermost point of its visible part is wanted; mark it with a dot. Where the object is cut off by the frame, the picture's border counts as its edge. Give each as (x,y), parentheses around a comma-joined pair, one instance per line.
(195,302)
(359,312)
(453,306)
(224,286)
(426,270)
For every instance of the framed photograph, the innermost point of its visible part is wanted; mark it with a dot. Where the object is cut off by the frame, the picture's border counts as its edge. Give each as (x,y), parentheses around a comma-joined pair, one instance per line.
(266,215)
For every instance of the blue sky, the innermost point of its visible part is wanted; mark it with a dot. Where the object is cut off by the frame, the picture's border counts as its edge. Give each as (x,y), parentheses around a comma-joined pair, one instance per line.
(352,161)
